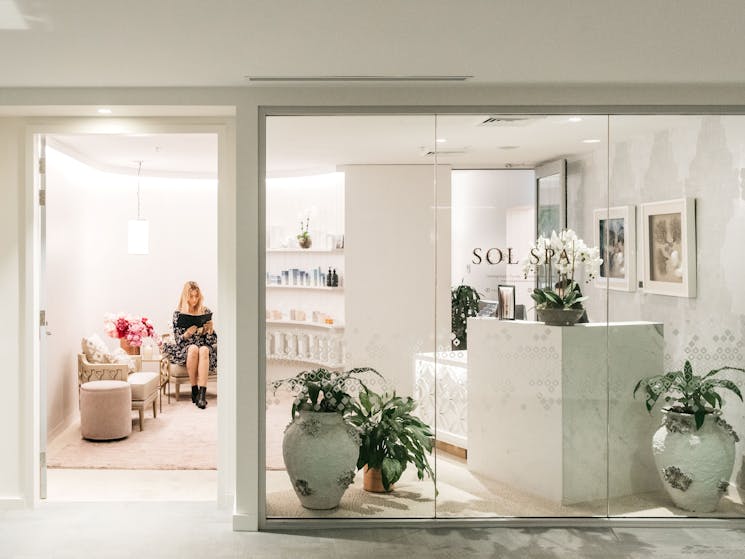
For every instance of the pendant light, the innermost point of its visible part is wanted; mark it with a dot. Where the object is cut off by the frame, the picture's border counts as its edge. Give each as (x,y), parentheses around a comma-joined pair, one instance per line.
(138,230)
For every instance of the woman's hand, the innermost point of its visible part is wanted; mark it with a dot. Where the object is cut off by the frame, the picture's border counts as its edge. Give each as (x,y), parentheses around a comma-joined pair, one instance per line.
(209,327)
(190,331)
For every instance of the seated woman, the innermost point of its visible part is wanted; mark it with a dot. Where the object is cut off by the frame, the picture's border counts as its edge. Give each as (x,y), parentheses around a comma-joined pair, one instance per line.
(194,347)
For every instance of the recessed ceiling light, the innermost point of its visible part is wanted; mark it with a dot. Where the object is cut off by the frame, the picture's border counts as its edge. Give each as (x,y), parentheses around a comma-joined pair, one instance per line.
(592,141)
(508,147)
(575,119)
(441,140)
(104,111)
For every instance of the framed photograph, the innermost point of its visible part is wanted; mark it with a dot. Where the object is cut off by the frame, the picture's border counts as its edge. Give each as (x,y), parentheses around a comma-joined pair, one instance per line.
(551,197)
(615,236)
(669,247)
(506,296)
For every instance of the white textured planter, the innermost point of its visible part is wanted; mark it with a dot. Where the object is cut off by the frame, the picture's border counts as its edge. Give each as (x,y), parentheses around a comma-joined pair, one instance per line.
(695,465)
(320,452)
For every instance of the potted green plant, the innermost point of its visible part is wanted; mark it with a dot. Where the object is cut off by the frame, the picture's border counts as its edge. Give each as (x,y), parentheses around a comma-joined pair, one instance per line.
(555,260)
(320,447)
(464,302)
(391,437)
(303,238)
(694,448)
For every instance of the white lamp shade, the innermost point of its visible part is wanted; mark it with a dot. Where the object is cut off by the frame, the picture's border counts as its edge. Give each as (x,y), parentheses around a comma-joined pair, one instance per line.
(138,236)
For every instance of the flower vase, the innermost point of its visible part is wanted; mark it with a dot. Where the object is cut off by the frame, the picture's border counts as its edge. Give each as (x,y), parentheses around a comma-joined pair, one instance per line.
(128,348)
(305,242)
(320,450)
(695,465)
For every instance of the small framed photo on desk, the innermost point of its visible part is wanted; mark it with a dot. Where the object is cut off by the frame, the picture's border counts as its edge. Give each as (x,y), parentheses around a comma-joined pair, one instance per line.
(506,297)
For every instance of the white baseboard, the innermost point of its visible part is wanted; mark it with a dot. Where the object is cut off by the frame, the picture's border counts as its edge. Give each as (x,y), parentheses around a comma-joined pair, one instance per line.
(245,523)
(12,503)
(225,501)
(62,426)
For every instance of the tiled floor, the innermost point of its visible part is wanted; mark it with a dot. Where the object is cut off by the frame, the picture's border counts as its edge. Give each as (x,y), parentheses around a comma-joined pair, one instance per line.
(184,530)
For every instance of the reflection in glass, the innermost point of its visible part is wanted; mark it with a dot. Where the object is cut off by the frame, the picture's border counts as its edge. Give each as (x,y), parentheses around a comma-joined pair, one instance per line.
(349,259)
(689,307)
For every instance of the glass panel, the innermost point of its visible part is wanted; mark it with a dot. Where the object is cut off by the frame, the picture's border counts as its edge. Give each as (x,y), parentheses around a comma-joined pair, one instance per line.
(521,406)
(350,262)
(677,184)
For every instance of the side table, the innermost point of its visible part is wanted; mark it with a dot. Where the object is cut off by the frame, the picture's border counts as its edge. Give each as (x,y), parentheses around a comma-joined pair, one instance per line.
(159,364)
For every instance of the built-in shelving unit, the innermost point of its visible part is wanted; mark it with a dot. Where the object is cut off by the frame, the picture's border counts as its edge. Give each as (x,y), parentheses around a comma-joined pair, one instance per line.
(306,324)
(313,287)
(306,250)
(303,341)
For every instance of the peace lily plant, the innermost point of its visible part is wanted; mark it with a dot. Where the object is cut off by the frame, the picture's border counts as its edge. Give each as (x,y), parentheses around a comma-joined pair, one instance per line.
(561,255)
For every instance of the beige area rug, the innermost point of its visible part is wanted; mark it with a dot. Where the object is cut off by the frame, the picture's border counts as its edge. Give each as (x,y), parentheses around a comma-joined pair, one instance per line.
(182,437)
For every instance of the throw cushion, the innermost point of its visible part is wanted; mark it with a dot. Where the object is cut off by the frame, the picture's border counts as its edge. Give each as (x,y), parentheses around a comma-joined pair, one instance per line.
(95,349)
(123,358)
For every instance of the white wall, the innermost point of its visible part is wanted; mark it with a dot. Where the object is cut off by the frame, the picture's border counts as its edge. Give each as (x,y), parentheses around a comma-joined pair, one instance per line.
(241,216)
(12,229)
(397,290)
(90,273)
(483,201)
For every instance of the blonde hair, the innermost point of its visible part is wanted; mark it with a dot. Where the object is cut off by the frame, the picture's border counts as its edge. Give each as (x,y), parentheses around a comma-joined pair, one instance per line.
(183,303)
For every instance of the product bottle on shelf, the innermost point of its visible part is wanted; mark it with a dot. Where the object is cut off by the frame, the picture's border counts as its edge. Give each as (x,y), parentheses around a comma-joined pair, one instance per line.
(334,279)
(329,279)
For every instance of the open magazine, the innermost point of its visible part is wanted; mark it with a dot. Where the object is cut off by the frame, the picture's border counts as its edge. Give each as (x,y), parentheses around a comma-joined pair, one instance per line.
(188,320)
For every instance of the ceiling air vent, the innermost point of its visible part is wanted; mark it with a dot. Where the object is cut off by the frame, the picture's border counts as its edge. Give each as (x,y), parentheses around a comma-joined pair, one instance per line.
(495,120)
(444,152)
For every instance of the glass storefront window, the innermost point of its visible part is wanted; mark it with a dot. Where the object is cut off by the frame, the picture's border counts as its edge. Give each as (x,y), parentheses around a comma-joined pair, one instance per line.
(399,243)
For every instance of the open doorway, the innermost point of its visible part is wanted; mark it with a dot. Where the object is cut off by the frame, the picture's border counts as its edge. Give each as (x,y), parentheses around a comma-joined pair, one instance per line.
(96,184)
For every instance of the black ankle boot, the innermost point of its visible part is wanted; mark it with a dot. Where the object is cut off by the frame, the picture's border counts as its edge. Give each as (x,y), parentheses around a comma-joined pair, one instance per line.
(194,393)
(202,397)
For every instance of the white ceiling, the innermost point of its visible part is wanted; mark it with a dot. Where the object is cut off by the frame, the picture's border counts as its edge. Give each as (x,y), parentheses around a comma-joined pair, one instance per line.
(317,144)
(303,145)
(314,144)
(197,43)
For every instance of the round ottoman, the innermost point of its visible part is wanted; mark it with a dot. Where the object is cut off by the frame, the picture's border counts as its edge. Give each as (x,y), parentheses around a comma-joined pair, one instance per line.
(105,410)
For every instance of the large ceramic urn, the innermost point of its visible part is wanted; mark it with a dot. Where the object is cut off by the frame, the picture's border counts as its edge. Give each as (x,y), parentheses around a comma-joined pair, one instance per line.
(694,465)
(320,452)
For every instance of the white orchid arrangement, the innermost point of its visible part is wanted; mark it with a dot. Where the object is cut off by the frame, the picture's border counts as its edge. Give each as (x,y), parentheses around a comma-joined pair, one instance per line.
(563,254)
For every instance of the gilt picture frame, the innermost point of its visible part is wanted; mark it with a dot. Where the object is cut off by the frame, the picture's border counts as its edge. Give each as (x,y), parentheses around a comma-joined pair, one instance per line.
(669,247)
(615,237)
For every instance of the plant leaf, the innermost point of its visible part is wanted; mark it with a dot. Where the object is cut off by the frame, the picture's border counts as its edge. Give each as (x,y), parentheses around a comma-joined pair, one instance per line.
(699,416)
(391,470)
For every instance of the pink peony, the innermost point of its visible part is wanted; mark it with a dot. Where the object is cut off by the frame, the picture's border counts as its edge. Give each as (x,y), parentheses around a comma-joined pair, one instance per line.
(132,327)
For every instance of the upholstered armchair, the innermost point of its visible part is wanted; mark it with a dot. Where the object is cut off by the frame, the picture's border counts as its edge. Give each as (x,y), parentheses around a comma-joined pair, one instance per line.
(177,374)
(88,371)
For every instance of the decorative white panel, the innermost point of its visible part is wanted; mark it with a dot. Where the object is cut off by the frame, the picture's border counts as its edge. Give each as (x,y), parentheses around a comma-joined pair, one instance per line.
(440,387)
(322,347)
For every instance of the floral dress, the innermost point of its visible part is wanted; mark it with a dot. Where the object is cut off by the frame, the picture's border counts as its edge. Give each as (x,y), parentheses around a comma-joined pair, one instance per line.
(176,350)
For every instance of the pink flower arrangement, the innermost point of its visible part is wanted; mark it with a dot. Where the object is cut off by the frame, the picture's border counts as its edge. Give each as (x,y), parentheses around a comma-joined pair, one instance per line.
(131,327)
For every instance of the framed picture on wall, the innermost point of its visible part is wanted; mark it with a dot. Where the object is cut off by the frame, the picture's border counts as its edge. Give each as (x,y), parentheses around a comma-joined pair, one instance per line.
(506,296)
(669,247)
(551,197)
(615,236)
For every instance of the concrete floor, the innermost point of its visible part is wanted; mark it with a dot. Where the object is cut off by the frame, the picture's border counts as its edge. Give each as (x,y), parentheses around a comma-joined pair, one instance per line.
(186,530)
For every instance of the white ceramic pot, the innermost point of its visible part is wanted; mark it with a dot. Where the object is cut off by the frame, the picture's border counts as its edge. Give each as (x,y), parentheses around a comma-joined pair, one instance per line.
(320,452)
(694,465)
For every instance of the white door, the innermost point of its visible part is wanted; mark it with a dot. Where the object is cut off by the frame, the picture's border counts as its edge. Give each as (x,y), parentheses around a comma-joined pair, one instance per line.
(40,184)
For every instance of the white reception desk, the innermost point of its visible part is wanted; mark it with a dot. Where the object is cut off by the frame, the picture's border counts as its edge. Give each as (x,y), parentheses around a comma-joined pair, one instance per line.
(539,413)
